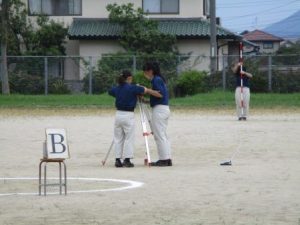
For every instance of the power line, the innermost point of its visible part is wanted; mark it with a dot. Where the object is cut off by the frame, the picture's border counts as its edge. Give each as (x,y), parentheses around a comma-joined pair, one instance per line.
(246,3)
(261,25)
(244,6)
(288,19)
(276,12)
(254,14)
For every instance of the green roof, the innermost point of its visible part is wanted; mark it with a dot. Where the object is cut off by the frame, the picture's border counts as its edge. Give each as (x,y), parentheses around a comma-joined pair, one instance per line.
(91,28)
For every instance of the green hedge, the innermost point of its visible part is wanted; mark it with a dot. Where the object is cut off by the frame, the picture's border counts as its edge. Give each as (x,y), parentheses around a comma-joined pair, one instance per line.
(35,84)
(192,82)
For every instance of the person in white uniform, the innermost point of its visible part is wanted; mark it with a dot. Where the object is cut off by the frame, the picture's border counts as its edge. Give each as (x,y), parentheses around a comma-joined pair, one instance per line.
(160,113)
(126,95)
(242,110)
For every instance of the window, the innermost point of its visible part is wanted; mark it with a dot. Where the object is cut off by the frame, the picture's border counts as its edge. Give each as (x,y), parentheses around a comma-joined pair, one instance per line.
(268,45)
(161,6)
(55,7)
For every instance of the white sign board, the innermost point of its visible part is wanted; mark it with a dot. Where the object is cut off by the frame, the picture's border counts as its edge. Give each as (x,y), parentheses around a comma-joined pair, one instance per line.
(56,144)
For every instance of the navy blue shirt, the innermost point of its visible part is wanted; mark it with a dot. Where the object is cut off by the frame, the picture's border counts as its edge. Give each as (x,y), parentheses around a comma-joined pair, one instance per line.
(245,78)
(159,85)
(126,96)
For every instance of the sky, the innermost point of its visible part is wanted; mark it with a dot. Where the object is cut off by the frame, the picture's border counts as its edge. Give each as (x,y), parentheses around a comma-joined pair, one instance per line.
(240,15)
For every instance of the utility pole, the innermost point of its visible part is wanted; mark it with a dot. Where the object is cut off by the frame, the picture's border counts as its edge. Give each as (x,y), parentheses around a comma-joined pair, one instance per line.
(213,37)
(3,40)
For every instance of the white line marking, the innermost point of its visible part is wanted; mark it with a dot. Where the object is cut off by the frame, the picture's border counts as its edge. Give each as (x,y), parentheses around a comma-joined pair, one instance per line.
(132,184)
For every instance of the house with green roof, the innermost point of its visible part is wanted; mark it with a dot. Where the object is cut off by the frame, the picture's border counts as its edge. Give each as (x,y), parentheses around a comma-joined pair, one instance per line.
(91,34)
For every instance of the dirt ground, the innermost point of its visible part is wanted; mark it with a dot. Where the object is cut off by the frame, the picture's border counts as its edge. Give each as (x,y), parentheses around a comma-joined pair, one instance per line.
(261,187)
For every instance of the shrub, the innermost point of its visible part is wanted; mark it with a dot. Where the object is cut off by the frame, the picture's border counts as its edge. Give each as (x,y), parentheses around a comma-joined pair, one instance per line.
(192,82)
(110,66)
(286,82)
(23,83)
(57,86)
(107,70)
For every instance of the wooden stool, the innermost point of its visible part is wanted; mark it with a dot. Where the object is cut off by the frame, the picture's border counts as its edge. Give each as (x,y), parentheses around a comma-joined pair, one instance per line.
(60,184)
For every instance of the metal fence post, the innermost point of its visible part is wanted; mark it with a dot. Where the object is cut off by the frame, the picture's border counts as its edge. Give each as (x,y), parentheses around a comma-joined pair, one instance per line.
(134,64)
(90,76)
(1,69)
(270,73)
(178,65)
(223,73)
(46,74)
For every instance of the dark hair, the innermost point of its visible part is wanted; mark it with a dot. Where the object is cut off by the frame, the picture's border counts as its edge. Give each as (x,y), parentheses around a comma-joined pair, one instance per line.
(154,66)
(123,76)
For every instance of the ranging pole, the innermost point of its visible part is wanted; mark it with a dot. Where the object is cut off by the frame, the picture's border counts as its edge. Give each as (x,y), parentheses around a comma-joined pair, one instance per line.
(241,60)
(213,37)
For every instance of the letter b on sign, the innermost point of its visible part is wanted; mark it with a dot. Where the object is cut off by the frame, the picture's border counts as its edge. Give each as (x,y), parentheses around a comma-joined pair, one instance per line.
(57,146)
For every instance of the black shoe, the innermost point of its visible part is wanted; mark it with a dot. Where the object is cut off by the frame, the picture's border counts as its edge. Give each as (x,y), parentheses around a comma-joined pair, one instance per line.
(240,118)
(118,163)
(127,163)
(161,163)
(244,118)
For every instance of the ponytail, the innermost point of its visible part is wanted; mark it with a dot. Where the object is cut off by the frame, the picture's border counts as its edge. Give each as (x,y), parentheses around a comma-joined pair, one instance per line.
(123,77)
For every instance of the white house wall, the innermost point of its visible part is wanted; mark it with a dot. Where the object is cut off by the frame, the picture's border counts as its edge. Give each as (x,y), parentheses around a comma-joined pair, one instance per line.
(95,49)
(199,50)
(275,48)
(71,64)
(97,9)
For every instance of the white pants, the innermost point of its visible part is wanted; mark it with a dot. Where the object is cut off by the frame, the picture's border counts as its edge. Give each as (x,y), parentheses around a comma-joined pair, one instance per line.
(124,134)
(246,100)
(160,116)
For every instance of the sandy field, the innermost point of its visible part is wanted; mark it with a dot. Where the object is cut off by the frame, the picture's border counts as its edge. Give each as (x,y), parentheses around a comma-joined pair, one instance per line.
(261,187)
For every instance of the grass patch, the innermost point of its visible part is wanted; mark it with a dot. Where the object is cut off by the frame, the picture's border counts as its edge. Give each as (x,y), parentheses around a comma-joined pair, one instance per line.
(58,101)
(213,100)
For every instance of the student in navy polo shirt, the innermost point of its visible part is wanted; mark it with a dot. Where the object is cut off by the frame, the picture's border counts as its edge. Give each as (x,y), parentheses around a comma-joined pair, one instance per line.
(126,96)
(236,68)
(160,113)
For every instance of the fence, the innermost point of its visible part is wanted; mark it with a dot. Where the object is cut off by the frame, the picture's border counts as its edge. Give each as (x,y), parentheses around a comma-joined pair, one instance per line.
(93,75)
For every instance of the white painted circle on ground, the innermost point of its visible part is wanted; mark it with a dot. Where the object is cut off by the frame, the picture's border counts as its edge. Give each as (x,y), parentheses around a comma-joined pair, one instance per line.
(130,185)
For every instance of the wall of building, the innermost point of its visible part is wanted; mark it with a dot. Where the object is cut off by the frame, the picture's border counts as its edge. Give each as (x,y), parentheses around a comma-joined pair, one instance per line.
(275,48)
(71,70)
(199,51)
(95,49)
(97,9)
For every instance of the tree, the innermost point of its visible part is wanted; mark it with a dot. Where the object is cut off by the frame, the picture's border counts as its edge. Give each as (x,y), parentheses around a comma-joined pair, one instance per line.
(4,36)
(294,48)
(47,39)
(142,41)
(140,35)
(290,54)
(18,36)
(14,30)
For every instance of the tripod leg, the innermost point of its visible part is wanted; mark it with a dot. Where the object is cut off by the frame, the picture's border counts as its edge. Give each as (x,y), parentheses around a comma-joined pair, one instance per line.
(108,152)
(145,133)
(148,115)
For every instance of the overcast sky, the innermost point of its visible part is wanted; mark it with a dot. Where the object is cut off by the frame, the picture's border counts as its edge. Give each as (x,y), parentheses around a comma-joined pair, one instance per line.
(240,15)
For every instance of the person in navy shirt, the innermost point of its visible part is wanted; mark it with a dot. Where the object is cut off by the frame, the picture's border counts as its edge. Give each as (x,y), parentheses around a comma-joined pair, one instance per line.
(126,96)
(160,113)
(242,78)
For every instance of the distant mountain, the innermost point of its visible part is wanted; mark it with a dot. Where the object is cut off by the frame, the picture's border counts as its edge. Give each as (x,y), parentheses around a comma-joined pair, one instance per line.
(288,28)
